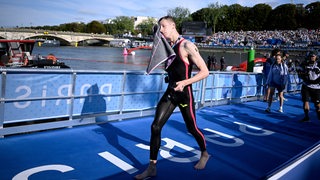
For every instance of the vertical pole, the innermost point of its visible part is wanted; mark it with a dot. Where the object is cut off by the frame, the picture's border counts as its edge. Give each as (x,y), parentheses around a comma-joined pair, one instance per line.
(250,62)
(73,79)
(2,97)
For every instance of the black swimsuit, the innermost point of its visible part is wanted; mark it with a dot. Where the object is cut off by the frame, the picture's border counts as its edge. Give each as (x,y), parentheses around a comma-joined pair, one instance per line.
(177,71)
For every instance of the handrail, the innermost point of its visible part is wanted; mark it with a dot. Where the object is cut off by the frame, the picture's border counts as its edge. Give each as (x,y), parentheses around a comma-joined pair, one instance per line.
(42,99)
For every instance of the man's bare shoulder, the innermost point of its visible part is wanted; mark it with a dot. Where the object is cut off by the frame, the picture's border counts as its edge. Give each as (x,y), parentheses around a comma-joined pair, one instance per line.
(190,46)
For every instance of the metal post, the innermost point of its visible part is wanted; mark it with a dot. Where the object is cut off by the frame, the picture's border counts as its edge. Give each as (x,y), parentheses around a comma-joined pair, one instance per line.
(250,62)
(2,98)
(73,83)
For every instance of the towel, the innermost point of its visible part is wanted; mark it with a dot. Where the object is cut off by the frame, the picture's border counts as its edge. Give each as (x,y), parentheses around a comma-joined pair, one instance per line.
(161,51)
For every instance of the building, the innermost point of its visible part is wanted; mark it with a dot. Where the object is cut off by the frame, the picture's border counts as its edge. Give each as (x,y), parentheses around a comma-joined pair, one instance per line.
(196,31)
(140,19)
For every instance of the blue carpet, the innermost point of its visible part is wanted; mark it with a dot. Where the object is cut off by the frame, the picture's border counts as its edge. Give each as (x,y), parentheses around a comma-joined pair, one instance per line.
(243,140)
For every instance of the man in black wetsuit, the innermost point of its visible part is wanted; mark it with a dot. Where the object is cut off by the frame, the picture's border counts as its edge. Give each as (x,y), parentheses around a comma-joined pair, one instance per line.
(179,93)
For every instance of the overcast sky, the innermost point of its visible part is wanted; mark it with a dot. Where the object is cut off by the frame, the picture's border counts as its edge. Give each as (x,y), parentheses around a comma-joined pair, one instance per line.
(55,12)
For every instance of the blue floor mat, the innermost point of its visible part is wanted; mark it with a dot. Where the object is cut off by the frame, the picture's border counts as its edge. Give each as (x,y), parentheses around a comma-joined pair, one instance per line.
(244,143)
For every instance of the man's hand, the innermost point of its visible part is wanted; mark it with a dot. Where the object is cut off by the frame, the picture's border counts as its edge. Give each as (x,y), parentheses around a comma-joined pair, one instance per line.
(179,86)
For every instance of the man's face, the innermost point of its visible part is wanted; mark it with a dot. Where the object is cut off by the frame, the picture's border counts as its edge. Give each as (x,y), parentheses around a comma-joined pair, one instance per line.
(166,28)
(313,57)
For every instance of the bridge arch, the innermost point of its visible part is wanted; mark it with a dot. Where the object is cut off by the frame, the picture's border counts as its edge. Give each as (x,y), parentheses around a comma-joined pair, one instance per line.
(63,42)
(93,42)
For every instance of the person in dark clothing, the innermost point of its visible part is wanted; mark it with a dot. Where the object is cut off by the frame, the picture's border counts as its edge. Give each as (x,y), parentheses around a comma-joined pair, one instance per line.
(285,57)
(222,63)
(214,62)
(309,72)
(178,93)
(209,63)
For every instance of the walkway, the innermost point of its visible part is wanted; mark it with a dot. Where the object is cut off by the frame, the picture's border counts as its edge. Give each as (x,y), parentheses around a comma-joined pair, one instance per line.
(244,143)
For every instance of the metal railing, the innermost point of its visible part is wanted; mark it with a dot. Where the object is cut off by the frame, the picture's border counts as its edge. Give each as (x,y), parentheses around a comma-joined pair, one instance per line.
(43,99)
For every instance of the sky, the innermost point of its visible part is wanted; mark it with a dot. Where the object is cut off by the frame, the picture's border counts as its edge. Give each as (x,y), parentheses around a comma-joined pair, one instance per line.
(26,13)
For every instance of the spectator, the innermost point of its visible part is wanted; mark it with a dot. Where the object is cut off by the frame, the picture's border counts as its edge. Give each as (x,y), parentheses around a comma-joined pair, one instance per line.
(277,79)
(266,69)
(285,38)
(214,62)
(222,63)
(209,63)
(285,57)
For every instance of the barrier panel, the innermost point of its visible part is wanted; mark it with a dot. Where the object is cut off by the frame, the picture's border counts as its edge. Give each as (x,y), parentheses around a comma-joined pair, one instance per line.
(294,83)
(40,99)
(232,87)
(32,96)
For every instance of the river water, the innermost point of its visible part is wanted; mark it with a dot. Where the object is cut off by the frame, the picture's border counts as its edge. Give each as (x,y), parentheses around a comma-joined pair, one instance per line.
(96,58)
(109,58)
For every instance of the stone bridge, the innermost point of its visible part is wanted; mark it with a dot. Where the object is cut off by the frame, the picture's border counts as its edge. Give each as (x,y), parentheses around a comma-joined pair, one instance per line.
(65,38)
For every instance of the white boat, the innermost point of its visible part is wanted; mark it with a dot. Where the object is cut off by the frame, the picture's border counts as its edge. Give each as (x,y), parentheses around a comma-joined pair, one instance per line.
(49,43)
(18,53)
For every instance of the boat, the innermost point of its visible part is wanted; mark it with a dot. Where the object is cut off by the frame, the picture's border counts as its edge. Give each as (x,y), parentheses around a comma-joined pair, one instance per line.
(257,67)
(137,43)
(18,53)
(49,43)
(12,52)
(120,42)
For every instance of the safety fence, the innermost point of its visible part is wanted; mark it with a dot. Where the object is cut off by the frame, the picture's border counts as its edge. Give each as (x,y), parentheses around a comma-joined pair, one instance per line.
(42,99)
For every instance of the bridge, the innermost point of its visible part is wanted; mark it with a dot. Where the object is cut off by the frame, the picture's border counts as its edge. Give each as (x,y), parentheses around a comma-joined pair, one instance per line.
(65,38)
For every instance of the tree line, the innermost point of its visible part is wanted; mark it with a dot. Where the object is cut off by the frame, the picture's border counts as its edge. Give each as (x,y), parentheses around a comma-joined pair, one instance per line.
(217,17)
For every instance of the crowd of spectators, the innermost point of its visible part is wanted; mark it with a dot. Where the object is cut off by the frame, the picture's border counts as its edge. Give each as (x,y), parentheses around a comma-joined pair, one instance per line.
(270,39)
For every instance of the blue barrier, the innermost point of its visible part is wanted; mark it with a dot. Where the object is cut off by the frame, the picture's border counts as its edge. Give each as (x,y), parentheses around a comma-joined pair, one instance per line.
(36,94)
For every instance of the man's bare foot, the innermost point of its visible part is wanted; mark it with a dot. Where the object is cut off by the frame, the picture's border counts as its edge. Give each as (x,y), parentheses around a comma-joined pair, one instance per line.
(203,161)
(149,172)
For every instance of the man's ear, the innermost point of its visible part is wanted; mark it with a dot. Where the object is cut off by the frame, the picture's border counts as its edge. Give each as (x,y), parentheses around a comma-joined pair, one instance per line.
(174,25)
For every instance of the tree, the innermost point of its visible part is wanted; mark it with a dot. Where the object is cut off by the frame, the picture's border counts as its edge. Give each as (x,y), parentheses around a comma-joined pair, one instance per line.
(200,15)
(124,24)
(110,28)
(300,16)
(145,27)
(96,27)
(312,15)
(283,17)
(73,27)
(259,14)
(237,16)
(215,13)
(180,14)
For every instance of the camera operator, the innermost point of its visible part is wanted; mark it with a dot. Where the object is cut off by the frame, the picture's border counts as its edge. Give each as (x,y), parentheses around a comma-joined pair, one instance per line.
(309,72)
